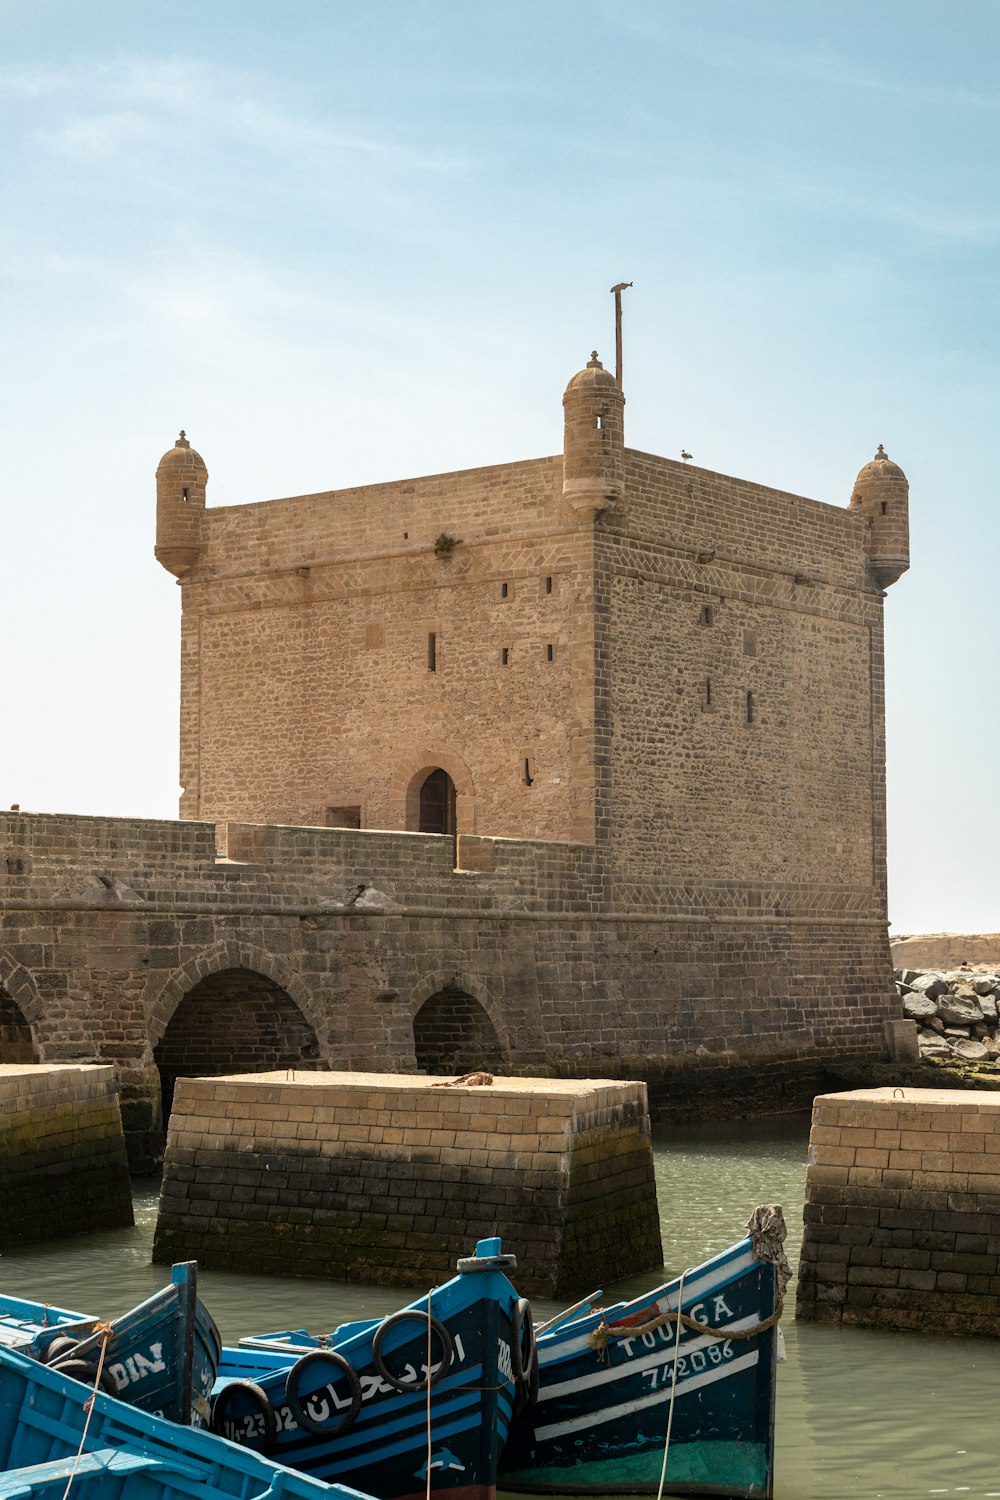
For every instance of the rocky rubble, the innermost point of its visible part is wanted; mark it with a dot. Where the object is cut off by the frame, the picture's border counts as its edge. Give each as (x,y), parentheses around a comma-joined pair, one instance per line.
(956,1013)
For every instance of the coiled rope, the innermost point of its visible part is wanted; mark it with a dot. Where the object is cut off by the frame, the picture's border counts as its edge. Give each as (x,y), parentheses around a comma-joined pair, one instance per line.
(605,1332)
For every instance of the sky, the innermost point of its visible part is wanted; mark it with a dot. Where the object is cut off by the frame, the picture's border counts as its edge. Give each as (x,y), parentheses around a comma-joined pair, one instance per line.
(348,242)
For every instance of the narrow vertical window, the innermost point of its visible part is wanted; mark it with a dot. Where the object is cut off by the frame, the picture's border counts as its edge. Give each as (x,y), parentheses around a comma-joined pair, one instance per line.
(599,423)
(708,614)
(751,708)
(548,584)
(505,656)
(432,652)
(504,590)
(550,653)
(708,692)
(184,495)
(528,777)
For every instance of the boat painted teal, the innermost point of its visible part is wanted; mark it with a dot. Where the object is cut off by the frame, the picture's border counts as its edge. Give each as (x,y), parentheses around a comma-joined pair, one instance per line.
(48,1433)
(161,1356)
(609,1383)
(354,1406)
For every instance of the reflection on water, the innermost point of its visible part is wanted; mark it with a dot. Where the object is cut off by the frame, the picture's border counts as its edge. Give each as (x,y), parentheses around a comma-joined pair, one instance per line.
(861,1414)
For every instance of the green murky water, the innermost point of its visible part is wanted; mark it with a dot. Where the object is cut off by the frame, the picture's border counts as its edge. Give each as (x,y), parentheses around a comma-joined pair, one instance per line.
(860,1414)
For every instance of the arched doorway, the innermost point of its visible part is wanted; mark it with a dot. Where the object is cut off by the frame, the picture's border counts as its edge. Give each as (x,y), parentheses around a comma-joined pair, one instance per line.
(453,1034)
(234,1021)
(17,1045)
(437,803)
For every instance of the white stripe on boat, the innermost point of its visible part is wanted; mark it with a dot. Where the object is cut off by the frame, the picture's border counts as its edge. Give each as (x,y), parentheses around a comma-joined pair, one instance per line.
(664,1355)
(656,1398)
(553,1347)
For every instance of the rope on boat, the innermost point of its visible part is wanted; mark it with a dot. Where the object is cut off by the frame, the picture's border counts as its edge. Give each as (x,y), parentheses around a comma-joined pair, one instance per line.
(104,1330)
(673,1391)
(766,1229)
(605,1332)
(430,1321)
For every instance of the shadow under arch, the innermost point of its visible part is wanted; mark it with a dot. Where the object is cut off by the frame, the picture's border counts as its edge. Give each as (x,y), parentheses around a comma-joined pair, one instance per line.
(457,1028)
(20,1012)
(235,1009)
(404,789)
(232,955)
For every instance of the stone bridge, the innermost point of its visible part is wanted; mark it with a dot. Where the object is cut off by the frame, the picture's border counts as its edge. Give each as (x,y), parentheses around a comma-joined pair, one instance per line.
(183,948)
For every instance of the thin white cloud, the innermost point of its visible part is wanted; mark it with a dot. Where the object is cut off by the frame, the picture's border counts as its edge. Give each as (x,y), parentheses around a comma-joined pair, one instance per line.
(144,103)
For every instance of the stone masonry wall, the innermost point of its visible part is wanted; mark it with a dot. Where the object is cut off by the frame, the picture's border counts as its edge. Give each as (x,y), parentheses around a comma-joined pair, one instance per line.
(345,590)
(108,925)
(385,1179)
(902,1215)
(63,1165)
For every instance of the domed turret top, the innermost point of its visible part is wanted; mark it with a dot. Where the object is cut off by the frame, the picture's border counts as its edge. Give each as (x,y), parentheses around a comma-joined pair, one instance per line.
(182,453)
(594,375)
(881,467)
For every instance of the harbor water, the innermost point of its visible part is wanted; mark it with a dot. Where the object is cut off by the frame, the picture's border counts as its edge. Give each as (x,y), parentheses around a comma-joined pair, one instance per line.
(860,1413)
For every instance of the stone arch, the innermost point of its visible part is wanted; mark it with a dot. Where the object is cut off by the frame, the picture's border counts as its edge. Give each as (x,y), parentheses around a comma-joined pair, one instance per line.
(457,1027)
(404,790)
(20,1012)
(232,955)
(236,1009)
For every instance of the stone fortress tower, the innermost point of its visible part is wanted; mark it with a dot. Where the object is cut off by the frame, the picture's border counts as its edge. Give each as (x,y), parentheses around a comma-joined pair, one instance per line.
(665,679)
(569,766)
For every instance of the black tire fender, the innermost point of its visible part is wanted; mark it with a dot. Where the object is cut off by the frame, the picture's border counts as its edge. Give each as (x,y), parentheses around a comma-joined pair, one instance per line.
(86,1374)
(61,1347)
(246,1388)
(302,1417)
(523,1359)
(412,1314)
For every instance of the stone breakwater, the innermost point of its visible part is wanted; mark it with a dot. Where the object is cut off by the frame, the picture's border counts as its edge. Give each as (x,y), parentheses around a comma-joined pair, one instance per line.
(956,1013)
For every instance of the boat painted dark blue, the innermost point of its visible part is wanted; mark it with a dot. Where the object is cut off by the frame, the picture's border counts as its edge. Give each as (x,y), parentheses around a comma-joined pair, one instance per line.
(354,1407)
(161,1356)
(610,1382)
(54,1428)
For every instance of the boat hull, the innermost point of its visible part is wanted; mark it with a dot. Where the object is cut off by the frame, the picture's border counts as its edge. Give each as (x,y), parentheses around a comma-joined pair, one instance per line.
(161,1356)
(394,1436)
(599,1424)
(47,1419)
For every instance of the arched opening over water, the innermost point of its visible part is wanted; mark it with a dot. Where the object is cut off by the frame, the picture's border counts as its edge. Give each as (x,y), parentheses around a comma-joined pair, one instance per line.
(233,1021)
(17,1044)
(453,1034)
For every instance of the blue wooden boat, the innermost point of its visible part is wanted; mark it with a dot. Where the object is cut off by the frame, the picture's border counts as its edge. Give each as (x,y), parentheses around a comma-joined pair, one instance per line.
(416,1403)
(611,1384)
(162,1356)
(52,1432)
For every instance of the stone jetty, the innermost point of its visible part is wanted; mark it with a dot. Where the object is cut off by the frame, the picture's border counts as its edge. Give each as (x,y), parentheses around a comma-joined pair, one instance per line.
(956,1013)
(902,1213)
(391,1178)
(63,1164)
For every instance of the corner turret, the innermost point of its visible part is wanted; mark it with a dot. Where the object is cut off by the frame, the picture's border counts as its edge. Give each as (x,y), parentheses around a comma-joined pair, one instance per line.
(882,495)
(181,477)
(593,440)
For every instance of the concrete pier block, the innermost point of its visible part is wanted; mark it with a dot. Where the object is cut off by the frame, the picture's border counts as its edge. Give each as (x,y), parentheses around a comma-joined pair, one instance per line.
(63,1165)
(902,1214)
(390,1178)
